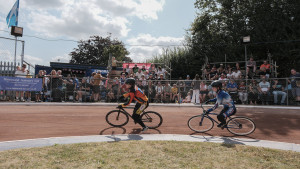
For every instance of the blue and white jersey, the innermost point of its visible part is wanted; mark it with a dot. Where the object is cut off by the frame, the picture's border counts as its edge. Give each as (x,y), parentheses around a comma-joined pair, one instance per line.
(223,98)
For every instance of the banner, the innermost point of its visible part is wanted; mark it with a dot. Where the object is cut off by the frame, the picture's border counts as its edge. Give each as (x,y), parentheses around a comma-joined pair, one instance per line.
(20,84)
(140,65)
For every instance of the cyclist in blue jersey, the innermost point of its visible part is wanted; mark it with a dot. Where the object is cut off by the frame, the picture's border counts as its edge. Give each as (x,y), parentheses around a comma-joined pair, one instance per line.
(223,98)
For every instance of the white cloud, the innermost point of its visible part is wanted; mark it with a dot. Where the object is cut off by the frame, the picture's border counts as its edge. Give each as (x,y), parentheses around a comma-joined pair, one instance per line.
(64,58)
(145,46)
(79,19)
(33,60)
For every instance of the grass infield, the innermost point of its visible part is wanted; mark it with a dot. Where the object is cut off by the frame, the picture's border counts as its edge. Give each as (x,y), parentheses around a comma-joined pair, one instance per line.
(149,154)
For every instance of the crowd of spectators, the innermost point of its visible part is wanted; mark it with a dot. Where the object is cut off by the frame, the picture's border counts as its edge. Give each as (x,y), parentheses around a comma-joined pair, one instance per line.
(260,88)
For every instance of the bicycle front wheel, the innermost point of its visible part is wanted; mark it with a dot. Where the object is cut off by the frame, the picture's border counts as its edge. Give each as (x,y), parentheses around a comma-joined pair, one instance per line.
(152,119)
(241,126)
(117,118)
(200,123)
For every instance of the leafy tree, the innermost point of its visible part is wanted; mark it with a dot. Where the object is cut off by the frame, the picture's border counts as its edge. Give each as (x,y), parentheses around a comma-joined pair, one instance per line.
(273,26)
(96,50)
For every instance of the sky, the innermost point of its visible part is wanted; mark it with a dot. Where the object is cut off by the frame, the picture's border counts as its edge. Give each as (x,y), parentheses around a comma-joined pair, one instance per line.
(52,28)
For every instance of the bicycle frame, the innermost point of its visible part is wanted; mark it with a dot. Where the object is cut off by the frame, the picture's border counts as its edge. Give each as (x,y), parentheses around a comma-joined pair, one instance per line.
(127,112)
(204,114)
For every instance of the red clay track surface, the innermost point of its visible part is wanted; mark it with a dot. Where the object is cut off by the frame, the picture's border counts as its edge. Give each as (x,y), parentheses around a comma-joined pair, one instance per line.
(29,122)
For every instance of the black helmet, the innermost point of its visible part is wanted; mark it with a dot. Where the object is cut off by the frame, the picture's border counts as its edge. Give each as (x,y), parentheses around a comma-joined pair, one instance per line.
(130,81)
(217,84)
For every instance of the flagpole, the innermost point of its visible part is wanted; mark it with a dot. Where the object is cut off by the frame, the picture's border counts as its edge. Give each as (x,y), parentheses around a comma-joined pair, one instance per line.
(15,58)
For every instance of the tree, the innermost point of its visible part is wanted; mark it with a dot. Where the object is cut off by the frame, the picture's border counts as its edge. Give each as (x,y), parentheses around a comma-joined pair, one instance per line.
(273,26)
(96,50)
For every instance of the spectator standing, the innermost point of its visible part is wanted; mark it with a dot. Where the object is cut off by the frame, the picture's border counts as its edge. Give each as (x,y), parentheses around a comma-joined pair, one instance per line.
(21,73)
(203,91)
(38,93)
(237,66)
(251,66)
(196,90)
(84,89)
(278,90)
(188,83)
(207,71)
(253,92)
(264,91)
(96,85)
(243,95)
(167,92)
(295,83)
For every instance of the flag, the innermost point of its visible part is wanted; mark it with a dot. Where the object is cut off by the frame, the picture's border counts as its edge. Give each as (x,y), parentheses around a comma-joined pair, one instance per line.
(12,17)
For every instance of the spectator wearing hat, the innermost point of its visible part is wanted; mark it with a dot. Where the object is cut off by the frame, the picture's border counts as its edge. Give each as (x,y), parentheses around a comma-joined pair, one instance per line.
(188,83)
(150,91)
(135,69)
(196,89)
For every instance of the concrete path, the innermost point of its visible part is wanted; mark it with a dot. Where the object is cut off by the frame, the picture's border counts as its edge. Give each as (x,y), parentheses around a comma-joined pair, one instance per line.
(9,145)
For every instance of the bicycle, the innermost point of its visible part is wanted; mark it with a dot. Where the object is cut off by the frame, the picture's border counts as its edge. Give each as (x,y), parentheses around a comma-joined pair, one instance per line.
(236,125)
(120,117)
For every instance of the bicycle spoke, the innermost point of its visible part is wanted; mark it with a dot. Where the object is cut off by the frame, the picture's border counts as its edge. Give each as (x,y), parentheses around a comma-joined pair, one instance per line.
(241,126)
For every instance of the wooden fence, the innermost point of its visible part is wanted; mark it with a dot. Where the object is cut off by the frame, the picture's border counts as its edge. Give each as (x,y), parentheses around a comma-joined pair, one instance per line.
(7,68)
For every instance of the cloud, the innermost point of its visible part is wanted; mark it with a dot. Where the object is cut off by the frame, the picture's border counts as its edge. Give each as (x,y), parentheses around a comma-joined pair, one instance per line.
(33,60)
(79,19)
(64,58)
(43,4)
(145,46)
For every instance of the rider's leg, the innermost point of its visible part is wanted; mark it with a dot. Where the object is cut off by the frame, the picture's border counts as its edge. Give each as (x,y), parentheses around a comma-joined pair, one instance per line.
(139,108)
(221,117)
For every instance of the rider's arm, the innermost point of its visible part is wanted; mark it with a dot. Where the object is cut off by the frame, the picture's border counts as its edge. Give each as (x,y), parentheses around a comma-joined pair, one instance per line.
(131,96)
(215,106)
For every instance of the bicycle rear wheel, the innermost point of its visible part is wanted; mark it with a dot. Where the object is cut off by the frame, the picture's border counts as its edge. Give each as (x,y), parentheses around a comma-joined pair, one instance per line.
(241,126)
(200,123)
(152,119)
(117,118)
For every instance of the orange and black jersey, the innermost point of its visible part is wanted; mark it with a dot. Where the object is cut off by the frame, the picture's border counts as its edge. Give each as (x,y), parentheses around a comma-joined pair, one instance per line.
(135,94)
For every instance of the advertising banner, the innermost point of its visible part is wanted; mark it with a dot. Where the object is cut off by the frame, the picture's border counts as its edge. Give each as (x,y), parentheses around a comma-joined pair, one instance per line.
(20,84)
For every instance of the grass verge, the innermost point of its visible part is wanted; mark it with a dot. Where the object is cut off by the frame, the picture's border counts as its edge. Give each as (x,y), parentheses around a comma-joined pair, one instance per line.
(149,154)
